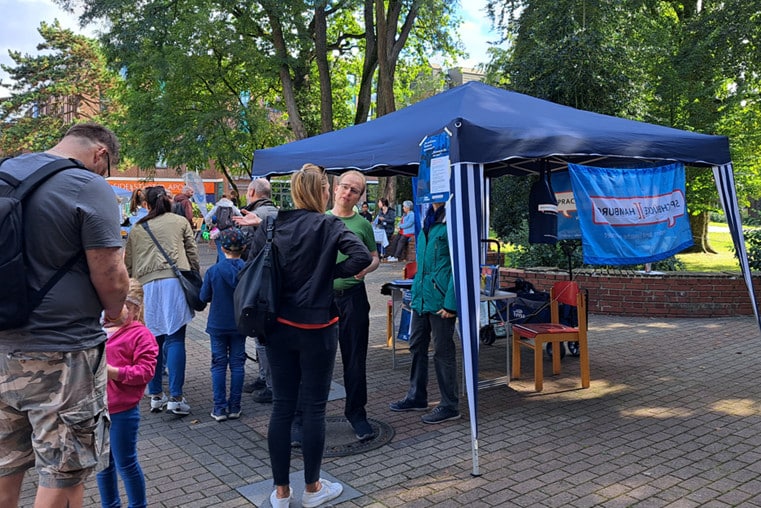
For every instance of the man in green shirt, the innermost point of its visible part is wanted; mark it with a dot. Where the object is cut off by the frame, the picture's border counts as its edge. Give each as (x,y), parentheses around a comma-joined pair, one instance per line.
(353,306)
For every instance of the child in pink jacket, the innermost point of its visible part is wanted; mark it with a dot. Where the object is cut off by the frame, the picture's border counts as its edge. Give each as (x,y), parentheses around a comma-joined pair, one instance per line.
(131,353)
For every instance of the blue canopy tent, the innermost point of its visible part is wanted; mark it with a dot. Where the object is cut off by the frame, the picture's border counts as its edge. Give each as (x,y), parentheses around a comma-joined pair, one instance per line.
(495,132)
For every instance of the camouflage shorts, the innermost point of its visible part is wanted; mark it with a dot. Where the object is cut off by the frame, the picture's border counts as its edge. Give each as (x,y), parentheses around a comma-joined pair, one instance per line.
(53,414)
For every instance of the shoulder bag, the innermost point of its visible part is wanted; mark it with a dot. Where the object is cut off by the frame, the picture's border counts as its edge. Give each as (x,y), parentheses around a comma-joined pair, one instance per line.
(190,280)
(258,290)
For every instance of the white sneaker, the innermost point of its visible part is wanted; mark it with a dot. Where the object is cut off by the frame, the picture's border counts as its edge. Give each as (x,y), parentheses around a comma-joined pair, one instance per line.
(327,492)
(391,259)
(158,402)
(178,407)
(278,502)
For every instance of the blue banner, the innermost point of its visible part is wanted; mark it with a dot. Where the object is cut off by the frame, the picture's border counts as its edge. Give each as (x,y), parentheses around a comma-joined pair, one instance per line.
(631,216)
(568,217)
(434,173)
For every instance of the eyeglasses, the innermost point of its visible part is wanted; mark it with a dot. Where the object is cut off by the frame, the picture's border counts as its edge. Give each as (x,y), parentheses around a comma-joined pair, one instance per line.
(347,187)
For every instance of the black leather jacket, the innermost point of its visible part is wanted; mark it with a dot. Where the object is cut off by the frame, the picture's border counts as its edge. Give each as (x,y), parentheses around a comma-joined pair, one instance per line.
(307,245)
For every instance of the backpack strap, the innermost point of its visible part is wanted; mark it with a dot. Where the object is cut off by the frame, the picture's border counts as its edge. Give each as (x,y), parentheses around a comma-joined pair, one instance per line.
(27,185)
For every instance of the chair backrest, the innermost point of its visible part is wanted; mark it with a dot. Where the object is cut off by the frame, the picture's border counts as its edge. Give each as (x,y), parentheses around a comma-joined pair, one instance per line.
(568,292)
(410,269)
(565,292)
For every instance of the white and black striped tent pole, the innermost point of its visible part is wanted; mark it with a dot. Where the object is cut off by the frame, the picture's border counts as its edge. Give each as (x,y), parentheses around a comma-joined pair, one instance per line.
(725,183)
(465,218)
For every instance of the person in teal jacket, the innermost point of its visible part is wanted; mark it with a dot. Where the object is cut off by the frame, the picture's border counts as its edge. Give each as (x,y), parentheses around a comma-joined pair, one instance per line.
(434,310)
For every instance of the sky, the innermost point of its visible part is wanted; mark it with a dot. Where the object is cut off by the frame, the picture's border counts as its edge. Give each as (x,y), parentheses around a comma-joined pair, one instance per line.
(21,19)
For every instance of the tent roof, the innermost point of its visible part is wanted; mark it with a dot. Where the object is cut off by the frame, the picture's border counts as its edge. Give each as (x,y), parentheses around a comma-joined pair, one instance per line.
(506,131)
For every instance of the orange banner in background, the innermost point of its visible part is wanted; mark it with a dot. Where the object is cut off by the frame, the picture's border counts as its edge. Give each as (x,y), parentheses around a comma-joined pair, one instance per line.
(172,185)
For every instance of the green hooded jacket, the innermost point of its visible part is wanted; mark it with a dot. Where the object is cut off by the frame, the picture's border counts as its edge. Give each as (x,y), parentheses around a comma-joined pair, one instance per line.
(433,286)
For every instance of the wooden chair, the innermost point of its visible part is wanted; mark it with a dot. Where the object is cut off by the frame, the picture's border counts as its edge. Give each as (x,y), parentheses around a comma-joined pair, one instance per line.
(535,335)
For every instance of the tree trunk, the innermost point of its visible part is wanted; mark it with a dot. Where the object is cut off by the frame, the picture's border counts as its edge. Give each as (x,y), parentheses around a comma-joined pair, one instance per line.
(289,95)
(388,189)
(364,97)
(699,226)
(321,56)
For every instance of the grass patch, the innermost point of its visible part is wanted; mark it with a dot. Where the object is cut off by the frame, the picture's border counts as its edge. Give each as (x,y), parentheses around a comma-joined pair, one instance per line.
(724,259)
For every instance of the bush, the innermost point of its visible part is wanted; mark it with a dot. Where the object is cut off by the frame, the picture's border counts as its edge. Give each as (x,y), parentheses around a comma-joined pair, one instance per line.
(753,245)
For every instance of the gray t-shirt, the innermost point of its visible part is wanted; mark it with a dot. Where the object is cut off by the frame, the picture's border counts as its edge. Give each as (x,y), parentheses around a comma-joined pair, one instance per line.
(71,211)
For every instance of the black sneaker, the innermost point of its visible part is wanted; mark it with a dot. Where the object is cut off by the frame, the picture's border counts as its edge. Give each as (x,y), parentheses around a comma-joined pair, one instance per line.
(407,405)
(441,414)
(263,397)
(363,430)
(252,386)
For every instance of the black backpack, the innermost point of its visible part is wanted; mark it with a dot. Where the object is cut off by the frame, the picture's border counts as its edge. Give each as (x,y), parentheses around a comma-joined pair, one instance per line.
(224,217)
(18,300)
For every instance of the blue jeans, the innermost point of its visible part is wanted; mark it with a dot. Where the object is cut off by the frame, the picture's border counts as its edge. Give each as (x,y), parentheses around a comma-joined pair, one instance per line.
(173,346)
(299,358)
(123,459)
(425,326)
(227,349)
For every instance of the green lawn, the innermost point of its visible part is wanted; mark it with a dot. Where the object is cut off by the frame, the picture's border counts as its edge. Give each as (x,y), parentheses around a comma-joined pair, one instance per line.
(723,260)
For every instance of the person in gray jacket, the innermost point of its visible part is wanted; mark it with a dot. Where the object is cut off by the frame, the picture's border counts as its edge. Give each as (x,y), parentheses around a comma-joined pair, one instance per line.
(258,196)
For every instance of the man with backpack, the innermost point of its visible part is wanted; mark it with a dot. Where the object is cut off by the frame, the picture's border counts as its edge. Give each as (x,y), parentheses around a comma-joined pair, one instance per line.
(181,204)
(259,195)
(222,213)
(53,365)
(219,218)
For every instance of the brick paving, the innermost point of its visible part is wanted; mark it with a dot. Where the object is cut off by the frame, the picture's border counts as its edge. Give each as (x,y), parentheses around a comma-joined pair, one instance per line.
(672,419)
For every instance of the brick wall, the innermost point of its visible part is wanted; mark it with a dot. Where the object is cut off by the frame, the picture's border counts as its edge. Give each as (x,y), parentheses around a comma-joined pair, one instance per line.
(675,294)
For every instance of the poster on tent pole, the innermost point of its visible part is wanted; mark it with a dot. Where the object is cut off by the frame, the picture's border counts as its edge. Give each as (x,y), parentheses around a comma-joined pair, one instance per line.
(631,216)
(434,173)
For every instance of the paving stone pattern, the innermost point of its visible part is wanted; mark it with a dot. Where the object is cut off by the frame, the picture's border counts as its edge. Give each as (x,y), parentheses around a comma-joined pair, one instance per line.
(672,419)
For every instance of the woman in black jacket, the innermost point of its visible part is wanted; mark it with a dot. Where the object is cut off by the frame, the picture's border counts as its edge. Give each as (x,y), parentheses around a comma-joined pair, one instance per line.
(302,349)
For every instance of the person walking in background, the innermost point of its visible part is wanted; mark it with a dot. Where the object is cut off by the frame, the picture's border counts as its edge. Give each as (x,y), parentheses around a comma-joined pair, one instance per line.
(71,217)
(137,208)
(433,315)
(385,219)
(259,195)
(219,218)
(398,245)
(235,198)
(131,353)
(182,202)
(303,354)
(228,346)
(365,211)
(350,296)
(166,311)
(222,213)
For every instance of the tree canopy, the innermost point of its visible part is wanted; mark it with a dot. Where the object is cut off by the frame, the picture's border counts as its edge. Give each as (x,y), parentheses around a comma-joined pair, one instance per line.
(690,65)
(68,81)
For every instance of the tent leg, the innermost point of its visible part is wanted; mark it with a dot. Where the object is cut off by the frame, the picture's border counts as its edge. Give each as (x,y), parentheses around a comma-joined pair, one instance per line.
(474,448)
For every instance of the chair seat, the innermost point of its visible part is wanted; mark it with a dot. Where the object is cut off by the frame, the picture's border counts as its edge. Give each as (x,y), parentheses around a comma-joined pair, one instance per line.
(531,331)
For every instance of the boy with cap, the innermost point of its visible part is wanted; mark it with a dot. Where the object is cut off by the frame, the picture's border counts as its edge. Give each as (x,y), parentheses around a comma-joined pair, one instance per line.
(228,346)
